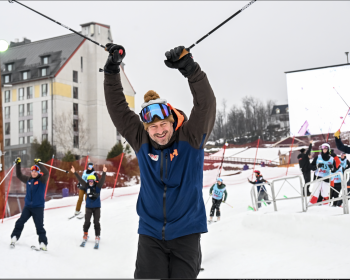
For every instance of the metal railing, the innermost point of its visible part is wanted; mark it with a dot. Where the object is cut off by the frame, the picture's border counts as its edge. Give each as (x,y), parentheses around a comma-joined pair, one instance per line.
(343,192)
(254,196)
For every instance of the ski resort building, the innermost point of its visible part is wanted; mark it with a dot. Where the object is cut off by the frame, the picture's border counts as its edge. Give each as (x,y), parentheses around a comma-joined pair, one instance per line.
(52,89)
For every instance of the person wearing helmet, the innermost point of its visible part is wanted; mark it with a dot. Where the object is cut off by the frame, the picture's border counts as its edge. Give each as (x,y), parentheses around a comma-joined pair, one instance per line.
(262,193)
(34,201)
(219,193)
(93,201)
(89,171)
(324,164)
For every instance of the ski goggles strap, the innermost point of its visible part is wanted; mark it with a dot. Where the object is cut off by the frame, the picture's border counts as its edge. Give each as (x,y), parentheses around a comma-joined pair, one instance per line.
(162,111)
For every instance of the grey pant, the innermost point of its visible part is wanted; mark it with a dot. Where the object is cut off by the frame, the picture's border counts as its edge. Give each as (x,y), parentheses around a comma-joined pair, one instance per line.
(263,196)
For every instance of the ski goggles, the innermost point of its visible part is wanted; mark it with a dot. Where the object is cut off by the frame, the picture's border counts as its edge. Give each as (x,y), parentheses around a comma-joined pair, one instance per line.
(162,111)
(91,181)
(90,166)
(35,167)
(324,147)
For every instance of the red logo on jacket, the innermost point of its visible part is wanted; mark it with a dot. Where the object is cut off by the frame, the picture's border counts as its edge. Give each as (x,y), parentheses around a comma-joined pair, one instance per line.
(153,157)
(36,183)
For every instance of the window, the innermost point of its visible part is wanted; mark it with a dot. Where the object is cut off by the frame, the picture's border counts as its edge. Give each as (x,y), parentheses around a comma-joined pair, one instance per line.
(7,96)
(75,76)
(75,125)
(25,75)
(7,112)
(30,94)
(75,92)
(76,141)
(30,139)
(44,123)
(21,140)
(287,110)
(43,72)
(75,109)
(21,94)
(7,78)
(45,60)
(7,128)
(44,107)
(9,67)
(21,126)
(7,142)
(44,90)
(44,137)
(21,110)
(277,111)
(29,109)
(29,125)
(81,63)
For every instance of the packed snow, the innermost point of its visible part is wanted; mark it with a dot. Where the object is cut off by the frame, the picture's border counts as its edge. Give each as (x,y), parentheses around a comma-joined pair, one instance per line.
(244,244)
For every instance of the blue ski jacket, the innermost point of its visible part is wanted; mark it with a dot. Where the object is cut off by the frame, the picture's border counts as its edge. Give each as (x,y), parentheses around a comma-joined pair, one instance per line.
(170,202)
(35,187)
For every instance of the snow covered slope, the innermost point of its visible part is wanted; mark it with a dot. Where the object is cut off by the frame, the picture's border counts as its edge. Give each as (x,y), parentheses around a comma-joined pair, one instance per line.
(244,244)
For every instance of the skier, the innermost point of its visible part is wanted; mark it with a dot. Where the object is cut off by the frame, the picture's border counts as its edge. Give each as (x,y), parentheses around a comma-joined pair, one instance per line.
(169,148)
(93,202)
(34,201)
(324,164)
(89,171)
(262,193)
(336,184)
(220,195)
(304,164)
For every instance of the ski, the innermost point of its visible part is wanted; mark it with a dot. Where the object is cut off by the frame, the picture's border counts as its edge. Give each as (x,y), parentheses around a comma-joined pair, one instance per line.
(36,249)
(96,245)
(84,242)
(250,208)
(81,217)
(75,215)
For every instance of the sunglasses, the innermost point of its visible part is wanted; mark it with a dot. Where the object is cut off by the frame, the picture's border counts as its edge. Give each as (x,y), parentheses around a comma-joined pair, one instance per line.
(148,113)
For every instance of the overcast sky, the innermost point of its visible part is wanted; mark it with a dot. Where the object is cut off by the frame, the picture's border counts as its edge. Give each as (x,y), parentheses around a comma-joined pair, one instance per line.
(246,57)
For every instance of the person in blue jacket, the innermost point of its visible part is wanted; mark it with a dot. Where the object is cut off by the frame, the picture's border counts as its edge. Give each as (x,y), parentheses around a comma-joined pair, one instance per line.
(34,201)
(93,201)
(219,193)
(262,192)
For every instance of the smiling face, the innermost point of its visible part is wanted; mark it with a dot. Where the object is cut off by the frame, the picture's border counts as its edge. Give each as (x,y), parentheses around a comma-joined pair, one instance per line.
(325,150)
(161,132)
(34,173)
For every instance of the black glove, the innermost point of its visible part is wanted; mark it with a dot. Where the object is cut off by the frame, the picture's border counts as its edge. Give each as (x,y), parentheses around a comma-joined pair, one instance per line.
(330,166)
(116,55)
(320,165)
(18,160)
(185,65)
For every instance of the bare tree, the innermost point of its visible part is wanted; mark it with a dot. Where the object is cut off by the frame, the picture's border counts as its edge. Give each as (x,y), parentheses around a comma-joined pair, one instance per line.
(66,129)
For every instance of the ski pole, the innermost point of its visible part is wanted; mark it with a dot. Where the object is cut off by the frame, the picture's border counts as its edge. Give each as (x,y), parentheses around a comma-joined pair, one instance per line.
(54,167)
(87,38)
(228,204)
(186,51)
(341,97)
(8,173)
(207,200)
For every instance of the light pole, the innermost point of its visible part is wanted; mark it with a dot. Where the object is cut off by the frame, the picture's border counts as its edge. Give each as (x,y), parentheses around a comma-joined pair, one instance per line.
(347,58)
(3,47)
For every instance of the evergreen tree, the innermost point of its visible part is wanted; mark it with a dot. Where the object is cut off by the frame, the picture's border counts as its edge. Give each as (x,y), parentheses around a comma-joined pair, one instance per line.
(68,157)
(117,149)
(43,150)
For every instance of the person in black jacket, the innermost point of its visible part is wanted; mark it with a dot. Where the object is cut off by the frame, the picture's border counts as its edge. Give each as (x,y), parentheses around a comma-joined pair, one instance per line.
(304,164)
(34,201)
(262,192)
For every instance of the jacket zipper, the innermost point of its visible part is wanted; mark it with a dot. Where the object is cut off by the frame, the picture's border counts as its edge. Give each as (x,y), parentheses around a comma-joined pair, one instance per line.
(165,189)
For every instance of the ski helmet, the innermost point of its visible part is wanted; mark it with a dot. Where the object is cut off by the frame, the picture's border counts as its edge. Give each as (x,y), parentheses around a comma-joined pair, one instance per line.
(257,172)
(90,165)
(219,180)
(91,177)
(325,146)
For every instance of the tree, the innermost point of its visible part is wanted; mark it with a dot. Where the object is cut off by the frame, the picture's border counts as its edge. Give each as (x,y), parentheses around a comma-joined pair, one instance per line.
(117,149)
(68,157)
(43,150)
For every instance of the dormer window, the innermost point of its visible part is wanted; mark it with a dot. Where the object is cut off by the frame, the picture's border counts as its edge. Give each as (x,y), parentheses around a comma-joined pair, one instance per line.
(25,75)
(7,79)
(43,72)
(277,111)
(45,60)
(287,110)
(9,67)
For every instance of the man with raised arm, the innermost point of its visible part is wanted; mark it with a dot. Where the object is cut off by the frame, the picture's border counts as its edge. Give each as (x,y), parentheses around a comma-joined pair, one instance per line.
(169,148)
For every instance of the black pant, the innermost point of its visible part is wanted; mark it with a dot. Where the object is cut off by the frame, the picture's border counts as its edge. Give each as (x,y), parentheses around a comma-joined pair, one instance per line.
(97,214)
(334,194)
(216,205)
(307,179)
(38,217)
(177,258)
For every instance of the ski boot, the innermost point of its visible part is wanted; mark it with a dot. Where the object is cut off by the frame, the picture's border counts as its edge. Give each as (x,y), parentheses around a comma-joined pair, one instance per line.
(218,219)
(43,247)
(97,242)
(85,237)
(13,241)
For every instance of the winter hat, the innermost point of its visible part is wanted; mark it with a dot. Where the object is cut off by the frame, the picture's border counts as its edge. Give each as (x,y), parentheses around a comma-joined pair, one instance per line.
(302,150)
(151,97)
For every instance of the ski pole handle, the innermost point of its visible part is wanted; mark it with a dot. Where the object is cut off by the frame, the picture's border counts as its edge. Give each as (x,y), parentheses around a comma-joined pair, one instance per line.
(184,52)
